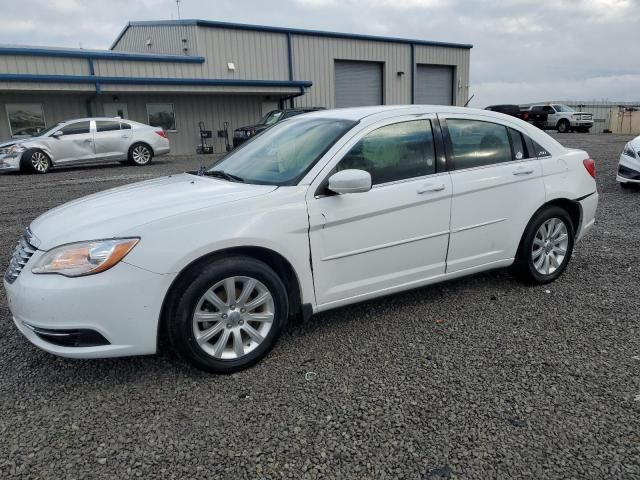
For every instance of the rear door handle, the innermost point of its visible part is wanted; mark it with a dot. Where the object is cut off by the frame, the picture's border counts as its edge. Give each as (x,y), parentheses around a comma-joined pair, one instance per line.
(125,136)
(431,187)
(523,171)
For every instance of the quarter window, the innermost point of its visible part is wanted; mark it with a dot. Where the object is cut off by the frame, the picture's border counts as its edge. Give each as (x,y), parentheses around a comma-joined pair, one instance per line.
(25,119)
(394,152)
(107,126)
(76,128)
(162,115)
(519,145)
(476,143)
(125,126)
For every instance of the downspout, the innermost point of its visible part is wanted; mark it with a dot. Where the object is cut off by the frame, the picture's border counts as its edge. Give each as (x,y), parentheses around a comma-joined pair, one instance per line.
(92,72)
(291,97)
(290,59)
(413,74)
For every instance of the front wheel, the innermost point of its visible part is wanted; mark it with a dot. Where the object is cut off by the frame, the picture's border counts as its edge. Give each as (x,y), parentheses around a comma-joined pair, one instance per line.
(140,154)
(35,161)
(229,316)
(546,246)
(563,126)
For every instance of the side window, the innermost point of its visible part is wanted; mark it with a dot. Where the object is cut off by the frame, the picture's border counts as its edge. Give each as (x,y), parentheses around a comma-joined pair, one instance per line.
(476,143)
(76,128)
(519,145)
(394,152)
(549,110)
(125,126)
(539,150)
(107,126)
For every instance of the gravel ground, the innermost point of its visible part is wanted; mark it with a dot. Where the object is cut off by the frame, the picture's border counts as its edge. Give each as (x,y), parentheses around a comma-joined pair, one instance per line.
(476,378)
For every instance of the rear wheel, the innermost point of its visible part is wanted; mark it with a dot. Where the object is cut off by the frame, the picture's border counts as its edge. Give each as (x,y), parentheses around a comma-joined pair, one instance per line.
(229,316)
(140,154)
(35,161)
(563,126)
(546,246)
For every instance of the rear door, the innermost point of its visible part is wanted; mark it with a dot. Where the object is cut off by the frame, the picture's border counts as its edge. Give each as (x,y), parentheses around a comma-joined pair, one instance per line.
(391,237)
(497,186)
(110,141)
(75,145)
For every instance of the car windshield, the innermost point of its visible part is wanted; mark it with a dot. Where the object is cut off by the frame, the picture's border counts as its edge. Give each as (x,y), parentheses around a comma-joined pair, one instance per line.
(271,117)
(563,108)
(282,154)
(44,131)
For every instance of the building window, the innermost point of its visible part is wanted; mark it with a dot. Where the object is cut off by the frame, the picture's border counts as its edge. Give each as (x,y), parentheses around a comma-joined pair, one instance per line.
(25,119)
(162,115)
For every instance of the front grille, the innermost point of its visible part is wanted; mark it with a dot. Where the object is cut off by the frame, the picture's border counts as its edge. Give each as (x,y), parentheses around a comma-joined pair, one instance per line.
(587,116)
(21,255)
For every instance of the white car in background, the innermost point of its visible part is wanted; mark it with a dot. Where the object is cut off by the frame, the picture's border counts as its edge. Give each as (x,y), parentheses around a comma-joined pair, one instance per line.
(629,164)
(318,211)
(84,141)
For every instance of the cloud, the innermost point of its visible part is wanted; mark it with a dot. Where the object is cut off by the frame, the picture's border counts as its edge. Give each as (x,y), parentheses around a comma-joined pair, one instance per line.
(524,50)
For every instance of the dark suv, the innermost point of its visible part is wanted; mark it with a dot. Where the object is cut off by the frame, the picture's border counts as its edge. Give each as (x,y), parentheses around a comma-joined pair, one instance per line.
(242,134)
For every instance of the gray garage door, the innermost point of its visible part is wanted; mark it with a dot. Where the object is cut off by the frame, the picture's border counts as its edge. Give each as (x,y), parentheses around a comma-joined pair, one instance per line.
(358,84)
(434,85)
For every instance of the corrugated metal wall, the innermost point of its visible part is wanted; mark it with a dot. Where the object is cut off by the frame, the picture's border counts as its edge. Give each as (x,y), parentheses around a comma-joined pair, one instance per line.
(256,55)
(457,57)
(313,59)
(165,39)
(57,108)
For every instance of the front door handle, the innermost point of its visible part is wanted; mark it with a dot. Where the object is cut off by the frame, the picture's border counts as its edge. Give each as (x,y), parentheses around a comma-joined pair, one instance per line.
(523,171)
(87,140)
(431,187)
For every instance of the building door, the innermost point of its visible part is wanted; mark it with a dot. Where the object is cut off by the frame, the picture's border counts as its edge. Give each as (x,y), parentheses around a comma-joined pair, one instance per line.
(434,85)
(116,110)
(358,84)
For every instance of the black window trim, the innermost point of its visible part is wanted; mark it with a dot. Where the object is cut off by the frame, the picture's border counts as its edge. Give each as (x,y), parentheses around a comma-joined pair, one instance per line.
(448,145)
(440,164)
(75,123)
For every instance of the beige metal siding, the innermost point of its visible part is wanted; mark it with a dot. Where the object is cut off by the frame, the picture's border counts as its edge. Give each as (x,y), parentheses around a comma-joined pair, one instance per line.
(314,59)
(256,55)
(189,110)
(457,57)
(165,39)
(119,68)
(27,64)
(57,108)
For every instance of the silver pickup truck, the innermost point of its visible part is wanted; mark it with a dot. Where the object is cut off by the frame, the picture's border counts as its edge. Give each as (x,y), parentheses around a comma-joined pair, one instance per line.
(564,118)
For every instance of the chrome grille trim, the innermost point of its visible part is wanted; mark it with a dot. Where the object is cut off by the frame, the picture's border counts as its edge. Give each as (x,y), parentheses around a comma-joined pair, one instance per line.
(21,255)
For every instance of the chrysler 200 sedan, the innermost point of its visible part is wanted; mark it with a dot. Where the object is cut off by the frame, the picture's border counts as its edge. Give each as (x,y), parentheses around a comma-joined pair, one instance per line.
(84,141)
(319,211)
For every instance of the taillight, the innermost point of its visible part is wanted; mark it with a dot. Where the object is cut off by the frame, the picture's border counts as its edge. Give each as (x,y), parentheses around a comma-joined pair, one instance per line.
(525,116)
(590,165)
(162,133)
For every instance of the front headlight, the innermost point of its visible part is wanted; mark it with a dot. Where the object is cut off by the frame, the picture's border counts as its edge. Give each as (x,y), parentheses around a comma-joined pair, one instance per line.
(16,149)
(628,151)
(84,258)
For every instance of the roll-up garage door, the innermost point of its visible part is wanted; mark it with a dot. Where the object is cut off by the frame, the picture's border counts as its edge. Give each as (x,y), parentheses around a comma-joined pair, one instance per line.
(358,83)
(434,85)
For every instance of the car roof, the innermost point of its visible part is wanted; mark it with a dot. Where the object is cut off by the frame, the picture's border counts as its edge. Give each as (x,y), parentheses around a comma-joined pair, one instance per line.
(359,113)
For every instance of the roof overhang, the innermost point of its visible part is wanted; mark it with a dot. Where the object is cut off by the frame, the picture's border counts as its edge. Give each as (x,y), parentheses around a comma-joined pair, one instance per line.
(97,54)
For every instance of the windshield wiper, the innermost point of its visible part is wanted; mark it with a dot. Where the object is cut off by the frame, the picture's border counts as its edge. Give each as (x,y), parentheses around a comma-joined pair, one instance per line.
(222,174)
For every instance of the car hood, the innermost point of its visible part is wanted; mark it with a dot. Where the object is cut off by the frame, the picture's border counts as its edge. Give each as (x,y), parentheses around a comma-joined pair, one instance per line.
(14,142)
(635,143)
(113,212)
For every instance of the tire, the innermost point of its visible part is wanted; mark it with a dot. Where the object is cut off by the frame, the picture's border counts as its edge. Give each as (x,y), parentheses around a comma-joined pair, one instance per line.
(140,154)
(626,185)
(563,126)
(35,161)
(539,260)
(205,330)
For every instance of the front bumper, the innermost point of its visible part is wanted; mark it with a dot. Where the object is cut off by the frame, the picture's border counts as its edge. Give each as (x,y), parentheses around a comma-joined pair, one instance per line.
(122,305)
(10,163)
(582,123)
(628,170)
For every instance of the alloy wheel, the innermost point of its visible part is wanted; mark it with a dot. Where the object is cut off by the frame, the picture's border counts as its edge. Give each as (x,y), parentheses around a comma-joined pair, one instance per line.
(233,317)
(40,162)
(141,155)
(550,246)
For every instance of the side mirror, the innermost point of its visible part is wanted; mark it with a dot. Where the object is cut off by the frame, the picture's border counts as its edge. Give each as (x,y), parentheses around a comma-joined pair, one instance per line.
(57,134)
(350,181)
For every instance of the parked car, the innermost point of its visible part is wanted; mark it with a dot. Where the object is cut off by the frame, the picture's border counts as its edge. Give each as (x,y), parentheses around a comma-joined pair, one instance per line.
(538,119)
(320,211)
(242,134)
(84,141)
(629,164)
(564,118)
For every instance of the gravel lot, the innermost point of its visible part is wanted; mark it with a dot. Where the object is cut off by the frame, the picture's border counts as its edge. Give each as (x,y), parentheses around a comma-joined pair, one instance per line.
(475,378)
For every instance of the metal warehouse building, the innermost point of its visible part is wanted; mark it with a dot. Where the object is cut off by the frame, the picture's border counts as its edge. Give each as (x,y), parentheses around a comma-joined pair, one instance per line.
(177,73)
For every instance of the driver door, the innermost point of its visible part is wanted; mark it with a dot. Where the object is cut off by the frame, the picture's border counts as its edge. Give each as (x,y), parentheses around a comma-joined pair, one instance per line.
(392,237)
(74,145)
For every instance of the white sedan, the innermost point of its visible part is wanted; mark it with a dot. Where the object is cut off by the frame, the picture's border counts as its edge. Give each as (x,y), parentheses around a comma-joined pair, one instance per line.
(629,164)
(84,141)
(319,211)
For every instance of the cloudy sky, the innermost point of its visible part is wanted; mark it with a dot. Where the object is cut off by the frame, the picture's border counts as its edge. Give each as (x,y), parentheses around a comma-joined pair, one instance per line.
(524,50)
